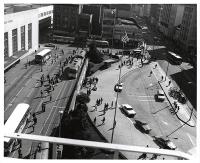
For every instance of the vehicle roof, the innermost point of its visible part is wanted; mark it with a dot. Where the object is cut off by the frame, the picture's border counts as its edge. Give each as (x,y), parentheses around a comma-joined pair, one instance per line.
(160,91)
(127,105)
(174,54)
(44,52)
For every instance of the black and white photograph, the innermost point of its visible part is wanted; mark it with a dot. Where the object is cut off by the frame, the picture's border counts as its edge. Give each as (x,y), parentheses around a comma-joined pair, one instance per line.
(100,81)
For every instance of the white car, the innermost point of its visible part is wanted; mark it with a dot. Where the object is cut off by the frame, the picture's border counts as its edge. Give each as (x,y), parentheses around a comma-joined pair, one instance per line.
(118,87)
(160,96)
(128,110)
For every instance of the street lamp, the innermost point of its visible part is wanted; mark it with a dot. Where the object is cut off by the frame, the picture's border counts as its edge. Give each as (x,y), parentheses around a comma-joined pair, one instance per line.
(114,121)
(61,113)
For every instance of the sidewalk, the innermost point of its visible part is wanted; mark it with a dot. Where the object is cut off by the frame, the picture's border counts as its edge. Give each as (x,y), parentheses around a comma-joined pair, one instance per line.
(184,112)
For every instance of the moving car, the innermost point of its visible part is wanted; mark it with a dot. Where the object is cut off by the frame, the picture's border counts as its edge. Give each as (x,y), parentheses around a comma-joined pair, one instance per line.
(164,142)
(160,96)
(142,126)
(128,110)
(50,45)
(118,87)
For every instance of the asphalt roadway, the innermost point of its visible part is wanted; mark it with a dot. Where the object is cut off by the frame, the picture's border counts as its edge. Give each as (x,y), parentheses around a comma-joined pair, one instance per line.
(138,90)
(23,85)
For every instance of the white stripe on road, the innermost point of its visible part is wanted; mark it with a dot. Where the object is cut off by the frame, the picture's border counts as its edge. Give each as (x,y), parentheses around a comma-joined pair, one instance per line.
(13,81)
(191,139)
(164,122)
(51,111)
(8,107)
(13,100)
(19,91)
(146,100)
(27,82)
(30,92)
(57,106)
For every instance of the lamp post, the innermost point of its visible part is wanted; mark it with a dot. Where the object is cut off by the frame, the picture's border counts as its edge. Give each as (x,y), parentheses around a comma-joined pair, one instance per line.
(114,121)
(61,113)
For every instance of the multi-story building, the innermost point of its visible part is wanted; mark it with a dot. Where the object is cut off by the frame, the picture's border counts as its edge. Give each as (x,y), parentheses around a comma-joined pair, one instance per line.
(175,19)
(109,16)
(155,13)
(188,29)
(122,10)
(84,25)
(21,27)
(95,10)
(147,9)
(66,19)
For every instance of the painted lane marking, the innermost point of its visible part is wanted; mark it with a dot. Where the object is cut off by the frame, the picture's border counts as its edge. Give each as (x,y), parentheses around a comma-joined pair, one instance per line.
(164,122)
(30,92)
(9,105)
(191,139)
(51,111)
(57,105)
(19,91)
(27,82)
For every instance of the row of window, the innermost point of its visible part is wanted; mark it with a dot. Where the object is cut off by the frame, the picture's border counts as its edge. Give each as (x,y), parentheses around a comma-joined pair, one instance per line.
(45,13)
(15,42)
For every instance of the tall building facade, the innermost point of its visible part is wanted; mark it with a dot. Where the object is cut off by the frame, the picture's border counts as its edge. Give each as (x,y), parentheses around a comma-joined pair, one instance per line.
(188,29)
(21,27)
(95,10)
(109,16)
(84,25)
(66,18)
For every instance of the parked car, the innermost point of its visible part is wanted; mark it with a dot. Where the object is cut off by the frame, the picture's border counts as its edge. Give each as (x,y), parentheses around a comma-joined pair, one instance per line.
(160,96)
(164,142)
(142,126)
(128,110)
(118,87)
(49,45)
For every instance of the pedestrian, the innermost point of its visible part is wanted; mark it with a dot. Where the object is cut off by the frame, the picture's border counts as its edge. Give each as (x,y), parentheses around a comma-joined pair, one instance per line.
(5,79)
(103,120)
(19,142)
(162,78)
(41,93)
(155,66)
(111,104)
(150,73)
(169,82)
(142,156)
(101,100)
(41,81)
(43,107)
(19,153)
(95,107)
(34,121)
(95,119)
(39,147)
(50,97)
(29,63)
(154,156)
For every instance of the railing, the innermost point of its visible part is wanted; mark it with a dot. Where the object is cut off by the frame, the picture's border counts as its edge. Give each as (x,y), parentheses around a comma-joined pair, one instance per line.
(92,144)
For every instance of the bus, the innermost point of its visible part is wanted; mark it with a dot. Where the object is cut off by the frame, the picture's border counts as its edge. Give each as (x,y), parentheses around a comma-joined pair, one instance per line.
(174,58)
(15,123)
(43,56)
(62,39)
(98,43)
(74,68)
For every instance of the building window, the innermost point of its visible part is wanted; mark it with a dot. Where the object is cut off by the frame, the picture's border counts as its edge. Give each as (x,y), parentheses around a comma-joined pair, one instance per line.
(23,37)
(14,41)
(29,35)
(6,44)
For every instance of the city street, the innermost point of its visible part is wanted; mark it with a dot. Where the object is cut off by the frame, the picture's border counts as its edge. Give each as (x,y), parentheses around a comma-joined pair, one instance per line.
(138,90)
(26,87)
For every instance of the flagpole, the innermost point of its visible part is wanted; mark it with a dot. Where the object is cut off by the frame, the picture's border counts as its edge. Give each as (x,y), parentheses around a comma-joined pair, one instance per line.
(113,29)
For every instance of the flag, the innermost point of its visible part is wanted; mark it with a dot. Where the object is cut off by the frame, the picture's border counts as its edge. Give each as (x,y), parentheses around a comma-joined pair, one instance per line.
(125,38)
(113,11)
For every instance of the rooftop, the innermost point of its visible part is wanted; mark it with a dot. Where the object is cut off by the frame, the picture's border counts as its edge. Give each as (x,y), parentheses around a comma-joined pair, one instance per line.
(13,8)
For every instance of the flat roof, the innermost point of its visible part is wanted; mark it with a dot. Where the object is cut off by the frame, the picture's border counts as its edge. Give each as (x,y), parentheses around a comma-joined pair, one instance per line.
(43,52)
(13,8)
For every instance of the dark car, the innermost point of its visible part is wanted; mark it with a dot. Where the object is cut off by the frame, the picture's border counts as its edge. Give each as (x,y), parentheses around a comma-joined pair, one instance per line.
(49,45)
(142,126)
(164,142)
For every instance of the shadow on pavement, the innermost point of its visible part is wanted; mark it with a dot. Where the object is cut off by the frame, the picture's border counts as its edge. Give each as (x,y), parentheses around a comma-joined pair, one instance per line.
(189,89)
